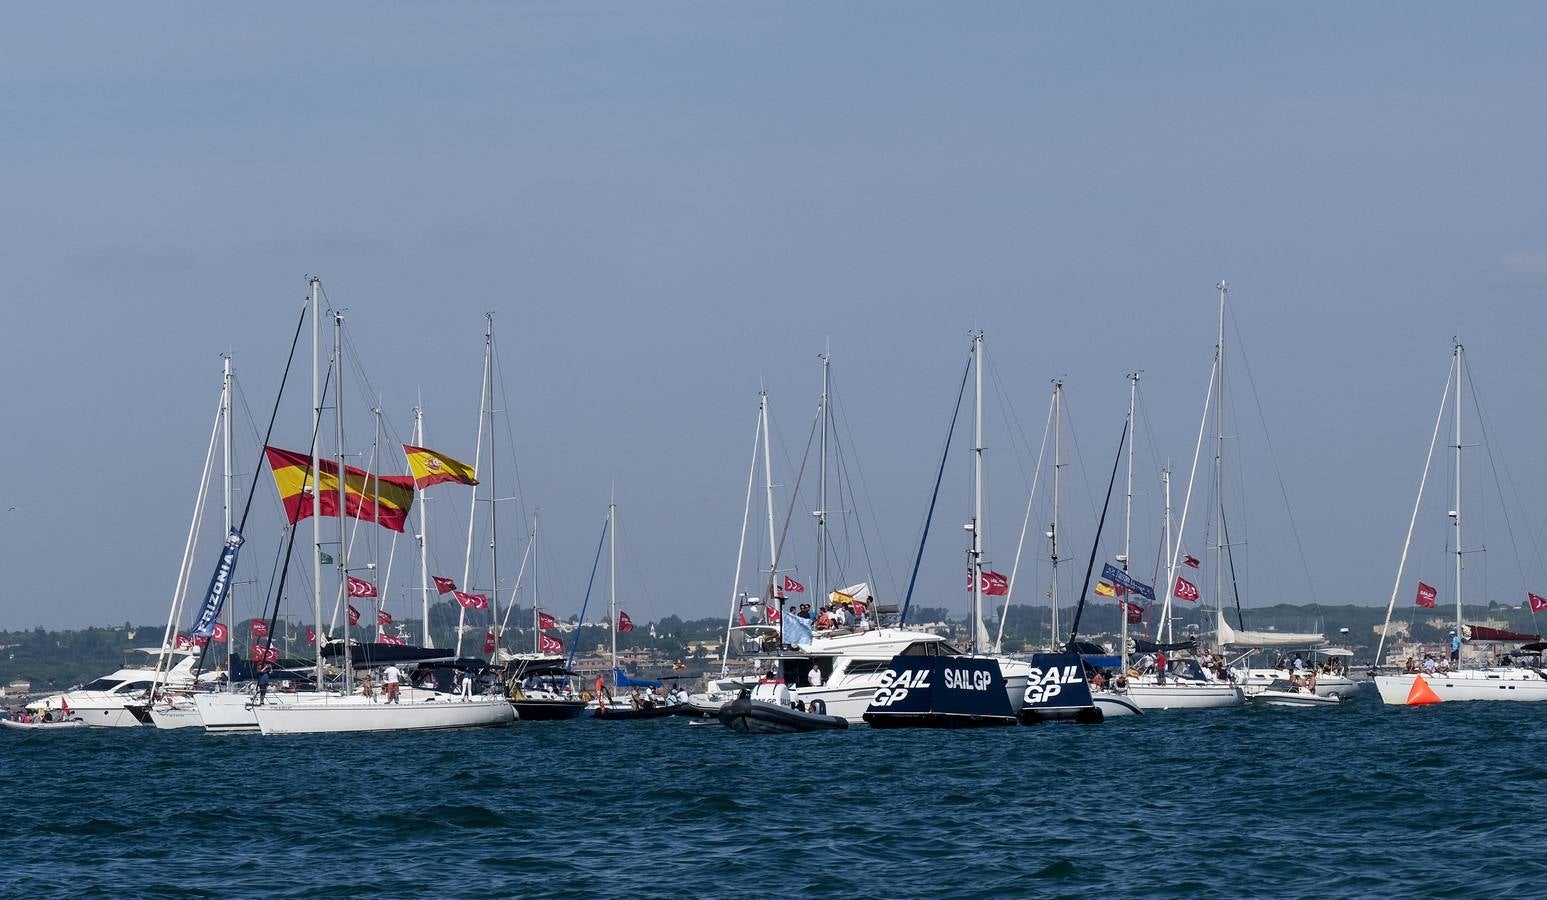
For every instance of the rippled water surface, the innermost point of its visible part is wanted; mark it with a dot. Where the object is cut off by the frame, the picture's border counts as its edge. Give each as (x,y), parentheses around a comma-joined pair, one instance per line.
(1360,800)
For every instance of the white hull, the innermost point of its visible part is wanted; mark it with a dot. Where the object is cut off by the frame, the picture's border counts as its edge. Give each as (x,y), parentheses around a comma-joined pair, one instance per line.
(1112,705)
(1468,684)
(283,716)
(1185,695)
(1292,699)
(112,712)
(1253,681)
(849,696)
(178,714)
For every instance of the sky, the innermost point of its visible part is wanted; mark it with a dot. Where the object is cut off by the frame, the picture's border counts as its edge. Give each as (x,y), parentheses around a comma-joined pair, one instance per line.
(672,206)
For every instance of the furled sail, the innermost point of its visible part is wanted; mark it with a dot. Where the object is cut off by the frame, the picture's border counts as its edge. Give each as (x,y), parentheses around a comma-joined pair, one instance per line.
(1230,637)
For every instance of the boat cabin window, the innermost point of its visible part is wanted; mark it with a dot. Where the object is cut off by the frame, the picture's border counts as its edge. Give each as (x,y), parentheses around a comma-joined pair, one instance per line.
(133,687)
(929,648)
(102,684)
(866,666)
(797,672)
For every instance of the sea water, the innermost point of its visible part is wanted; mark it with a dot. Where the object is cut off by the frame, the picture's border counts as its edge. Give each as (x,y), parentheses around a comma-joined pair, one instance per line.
(1361,800)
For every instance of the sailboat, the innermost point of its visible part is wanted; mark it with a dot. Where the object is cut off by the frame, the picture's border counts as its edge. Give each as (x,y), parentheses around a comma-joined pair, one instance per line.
(539,681)
(1451,683)
(618,707)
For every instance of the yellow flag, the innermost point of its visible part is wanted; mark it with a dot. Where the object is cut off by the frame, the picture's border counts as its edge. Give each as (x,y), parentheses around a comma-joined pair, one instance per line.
(430,467)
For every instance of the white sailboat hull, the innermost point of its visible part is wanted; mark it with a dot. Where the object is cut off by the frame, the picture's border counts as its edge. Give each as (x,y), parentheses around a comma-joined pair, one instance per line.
(178,714)
(282,716)
(1185,695)
(1468,684)
(1113,704)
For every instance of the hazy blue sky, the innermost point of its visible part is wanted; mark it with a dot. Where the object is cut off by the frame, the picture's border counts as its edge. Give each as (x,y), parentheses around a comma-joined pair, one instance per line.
(671,205)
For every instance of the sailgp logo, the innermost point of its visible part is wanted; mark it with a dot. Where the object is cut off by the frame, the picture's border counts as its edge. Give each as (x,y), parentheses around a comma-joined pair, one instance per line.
(1043,685)
(895,687)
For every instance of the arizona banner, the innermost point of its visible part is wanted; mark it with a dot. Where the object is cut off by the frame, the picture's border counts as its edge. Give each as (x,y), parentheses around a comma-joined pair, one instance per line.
(430,467)
(361,490)
(219,585)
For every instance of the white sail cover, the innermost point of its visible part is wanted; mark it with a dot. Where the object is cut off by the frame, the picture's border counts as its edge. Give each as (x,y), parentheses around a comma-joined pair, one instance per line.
(1230,637)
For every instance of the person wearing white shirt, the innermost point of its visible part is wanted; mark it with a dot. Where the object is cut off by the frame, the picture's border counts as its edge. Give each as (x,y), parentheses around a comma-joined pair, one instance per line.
(814,677)
(391,678)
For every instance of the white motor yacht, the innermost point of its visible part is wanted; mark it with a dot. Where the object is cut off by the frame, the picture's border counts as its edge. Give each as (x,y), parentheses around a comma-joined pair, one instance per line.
(108,701)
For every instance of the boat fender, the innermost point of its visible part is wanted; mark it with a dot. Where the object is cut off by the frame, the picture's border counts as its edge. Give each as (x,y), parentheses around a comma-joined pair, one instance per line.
(818,707)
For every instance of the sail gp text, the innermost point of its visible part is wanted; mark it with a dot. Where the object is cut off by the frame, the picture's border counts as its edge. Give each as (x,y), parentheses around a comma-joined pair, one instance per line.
(1042,687)
(895,687)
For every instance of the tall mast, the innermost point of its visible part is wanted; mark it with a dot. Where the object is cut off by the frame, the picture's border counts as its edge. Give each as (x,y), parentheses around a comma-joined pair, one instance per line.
(1133,400)
(821,514)
(976,566)
(612,580)
(494,556)
(773,546)
(225,439)
(1058,465)
(1165,614)
(1221,547)
(375,476)
(338,434)
(423,536)
(316,473)
(472,509)
(536,600)
(1455,515)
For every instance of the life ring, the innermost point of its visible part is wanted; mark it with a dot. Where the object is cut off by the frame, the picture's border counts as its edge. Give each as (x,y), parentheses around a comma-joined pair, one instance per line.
(817,707)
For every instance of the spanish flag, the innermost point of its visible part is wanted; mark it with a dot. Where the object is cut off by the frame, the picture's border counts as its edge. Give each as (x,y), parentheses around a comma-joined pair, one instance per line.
(361,490)
(1108,589)
(430,467)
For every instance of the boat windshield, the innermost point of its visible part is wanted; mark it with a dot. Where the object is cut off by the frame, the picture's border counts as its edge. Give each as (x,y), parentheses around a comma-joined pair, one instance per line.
(102,684)
(133,686)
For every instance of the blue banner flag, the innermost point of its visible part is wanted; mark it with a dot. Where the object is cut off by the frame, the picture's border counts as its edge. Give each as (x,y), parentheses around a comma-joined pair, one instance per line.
(219,586)
(1118,576)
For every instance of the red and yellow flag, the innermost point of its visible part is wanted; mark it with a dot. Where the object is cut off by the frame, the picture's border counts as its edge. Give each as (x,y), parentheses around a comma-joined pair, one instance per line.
(430,467)
(361,490)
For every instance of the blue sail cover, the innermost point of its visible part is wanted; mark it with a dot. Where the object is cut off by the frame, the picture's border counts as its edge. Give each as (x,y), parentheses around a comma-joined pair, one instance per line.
(625,681)
(219,586)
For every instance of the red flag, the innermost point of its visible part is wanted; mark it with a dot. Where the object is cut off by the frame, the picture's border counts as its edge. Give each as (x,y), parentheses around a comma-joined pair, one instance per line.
(471,601)
(601,692)
(741,617)
(1426,595)
(443,585)
(383,617)
(547,644)
(488,642)
(1185,590)
(394,640)
(354,615)
(791,584)
(546,621)
(220,633)
(259,652)
(1191,561)
(772,612)
(65,705)
(311,636)
(624,622)
(271,655)
(260,628)
(182,642)
(859,609)
(1538,604)
(201,641)
(359,587)
(1133,611)
(995,584)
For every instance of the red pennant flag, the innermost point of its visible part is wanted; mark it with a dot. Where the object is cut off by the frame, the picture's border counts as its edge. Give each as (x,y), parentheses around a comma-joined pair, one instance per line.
(1426,595)
(1133,611)
(791,584)
(201,641)
(443,585)
(741,618)
(220,633)
(772,612)
(624,622)
(271,655)
(354,615)
(383,617)
(311,636)
(359,587)
(547,644)
(260,628)
(259,652)
(1191,561)
(1538,604)
(394,640)
(546,621)
(1185,590)
(182,642)
(995,584)
(488,642)
(471,601)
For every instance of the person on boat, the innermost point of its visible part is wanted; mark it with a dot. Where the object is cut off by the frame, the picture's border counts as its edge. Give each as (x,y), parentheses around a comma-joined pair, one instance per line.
(1430,665)
(467,684)
(825,620)
(1410,666)
(391,677)
(1097,681)
(805,611)
(263,679)
(367,689)
(814,677)
(1160,666)
(1455,650)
